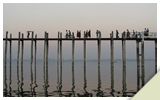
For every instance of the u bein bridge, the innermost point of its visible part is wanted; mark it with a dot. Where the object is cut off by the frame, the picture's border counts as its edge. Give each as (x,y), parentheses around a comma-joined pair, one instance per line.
(59,39)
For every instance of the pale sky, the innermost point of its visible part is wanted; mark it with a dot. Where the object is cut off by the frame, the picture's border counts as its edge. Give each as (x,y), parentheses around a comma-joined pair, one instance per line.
(105,17)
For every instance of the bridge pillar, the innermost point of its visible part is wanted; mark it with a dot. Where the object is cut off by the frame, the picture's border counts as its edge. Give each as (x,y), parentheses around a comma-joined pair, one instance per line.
(84,51)
(124,62)
(142,62)
(5,66)
(138,66)
(73,49)
(155,56)
(99,48)
(112,49)
(22,62)
(58,57)
(124,49)
(61,49)
(73,63)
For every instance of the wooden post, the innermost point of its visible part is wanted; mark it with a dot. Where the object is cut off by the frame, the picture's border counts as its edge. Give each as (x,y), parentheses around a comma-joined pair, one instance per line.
(85,81)
(58,59)
(10,68)
(112,65)
(22,64)
(124,63)
(47,60)
(124,49)
(138,67)
(5,66)
(61,56)
(155,56)
(112,50)
(99,48)
(73,49)
(31,63)
(44,68)
(35,53)
(73,64)
(142,62)
(18,62)
(84,51)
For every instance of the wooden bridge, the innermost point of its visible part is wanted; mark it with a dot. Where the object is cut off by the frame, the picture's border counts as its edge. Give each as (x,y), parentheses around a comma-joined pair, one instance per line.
(59,40)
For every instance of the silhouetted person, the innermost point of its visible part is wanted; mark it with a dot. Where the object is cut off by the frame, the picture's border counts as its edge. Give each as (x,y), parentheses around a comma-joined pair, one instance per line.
(69,34)
(117,34)
(97,33)
(133,35)
(28,35)
(136,34)
(128,34)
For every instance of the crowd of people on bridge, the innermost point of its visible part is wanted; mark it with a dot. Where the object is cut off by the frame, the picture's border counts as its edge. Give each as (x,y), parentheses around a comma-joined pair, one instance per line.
(126,34)
(134,34)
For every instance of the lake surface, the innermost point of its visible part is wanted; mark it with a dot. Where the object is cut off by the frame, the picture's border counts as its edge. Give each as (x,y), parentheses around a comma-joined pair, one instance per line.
(89,81)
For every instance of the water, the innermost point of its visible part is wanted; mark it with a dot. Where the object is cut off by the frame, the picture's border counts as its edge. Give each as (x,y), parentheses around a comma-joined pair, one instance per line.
(93,81)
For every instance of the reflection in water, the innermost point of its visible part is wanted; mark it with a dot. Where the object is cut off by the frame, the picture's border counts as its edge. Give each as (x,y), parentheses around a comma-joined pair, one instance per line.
(86,94)
(73,81)
(85,90)
(100,92)
(112,81)
(124,82)
(138,77)
(143,75)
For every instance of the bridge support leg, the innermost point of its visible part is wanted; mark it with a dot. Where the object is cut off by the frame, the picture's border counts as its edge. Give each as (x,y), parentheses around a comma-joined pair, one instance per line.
(22,63)
(99,49)
(155,56)
(47,46)
(138,67)
(58,59)
(61,57)
(5,66)
(112,64)
(112,50)
(10,68)
(72,50)
(84,51)
(73,64)
(44,61)
(124,51)
(142,63)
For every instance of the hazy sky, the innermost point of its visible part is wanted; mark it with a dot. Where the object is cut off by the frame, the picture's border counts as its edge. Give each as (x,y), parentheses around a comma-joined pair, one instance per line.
(105,17)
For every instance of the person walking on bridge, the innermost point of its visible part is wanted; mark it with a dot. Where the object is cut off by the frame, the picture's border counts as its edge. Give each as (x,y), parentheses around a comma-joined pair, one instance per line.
(97,33)
(117,34)
(128,34)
